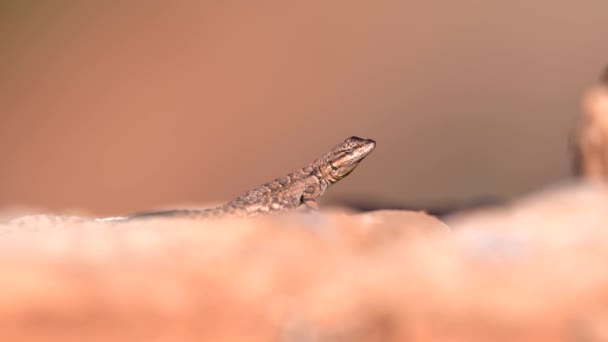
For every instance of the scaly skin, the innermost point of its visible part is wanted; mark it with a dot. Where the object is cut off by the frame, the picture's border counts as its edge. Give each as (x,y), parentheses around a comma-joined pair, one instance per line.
(288,192)
(284,193)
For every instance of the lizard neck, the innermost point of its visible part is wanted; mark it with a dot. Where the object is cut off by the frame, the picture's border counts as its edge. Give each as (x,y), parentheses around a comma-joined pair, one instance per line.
(321,171)
(324,178)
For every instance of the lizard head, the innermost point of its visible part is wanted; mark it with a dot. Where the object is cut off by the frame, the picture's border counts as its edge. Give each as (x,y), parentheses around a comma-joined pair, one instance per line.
(344,158)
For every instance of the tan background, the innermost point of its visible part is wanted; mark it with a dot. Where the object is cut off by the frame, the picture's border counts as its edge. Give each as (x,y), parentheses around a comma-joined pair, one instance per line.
(116,107)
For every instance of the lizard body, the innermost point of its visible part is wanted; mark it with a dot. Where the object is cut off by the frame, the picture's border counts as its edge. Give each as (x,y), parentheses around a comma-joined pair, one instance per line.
(284,193)
(287,192)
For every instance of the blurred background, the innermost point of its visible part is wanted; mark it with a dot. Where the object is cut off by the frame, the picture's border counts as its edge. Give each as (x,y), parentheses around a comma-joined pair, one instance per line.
(111,107)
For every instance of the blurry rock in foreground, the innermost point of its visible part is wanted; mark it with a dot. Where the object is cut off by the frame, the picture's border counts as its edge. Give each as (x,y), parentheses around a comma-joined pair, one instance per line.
(534,270)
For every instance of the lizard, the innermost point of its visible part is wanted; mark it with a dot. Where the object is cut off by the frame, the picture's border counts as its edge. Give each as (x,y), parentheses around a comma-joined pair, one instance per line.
(301,187)
(285,193)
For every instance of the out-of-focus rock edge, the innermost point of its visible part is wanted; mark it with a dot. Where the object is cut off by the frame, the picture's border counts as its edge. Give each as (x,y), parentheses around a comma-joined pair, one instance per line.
(534,269)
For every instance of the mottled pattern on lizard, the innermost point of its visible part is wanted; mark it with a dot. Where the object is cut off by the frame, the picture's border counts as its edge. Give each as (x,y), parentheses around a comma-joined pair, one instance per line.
(288,192)
(284,193)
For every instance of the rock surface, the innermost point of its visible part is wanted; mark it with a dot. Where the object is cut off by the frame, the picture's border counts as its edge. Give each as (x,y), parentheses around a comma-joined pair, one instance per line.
(532,270)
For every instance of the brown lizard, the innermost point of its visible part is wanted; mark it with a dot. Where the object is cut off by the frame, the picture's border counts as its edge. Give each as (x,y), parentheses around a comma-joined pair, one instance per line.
(288,192)
(284,193)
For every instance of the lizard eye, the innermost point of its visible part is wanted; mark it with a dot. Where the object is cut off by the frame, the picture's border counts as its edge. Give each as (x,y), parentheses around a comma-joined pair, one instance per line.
(333,167)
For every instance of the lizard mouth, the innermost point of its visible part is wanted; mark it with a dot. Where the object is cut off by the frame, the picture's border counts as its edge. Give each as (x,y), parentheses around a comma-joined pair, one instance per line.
(370,145)
(364,151)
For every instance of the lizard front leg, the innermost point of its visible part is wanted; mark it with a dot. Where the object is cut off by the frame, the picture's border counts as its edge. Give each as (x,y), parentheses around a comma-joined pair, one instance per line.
(310,202)
(314,189)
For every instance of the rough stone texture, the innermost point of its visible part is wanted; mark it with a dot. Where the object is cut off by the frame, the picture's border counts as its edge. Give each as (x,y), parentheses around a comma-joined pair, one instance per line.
(531,270)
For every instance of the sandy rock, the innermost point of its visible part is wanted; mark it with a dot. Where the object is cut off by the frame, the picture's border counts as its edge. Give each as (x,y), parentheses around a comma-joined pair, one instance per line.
(532,270)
